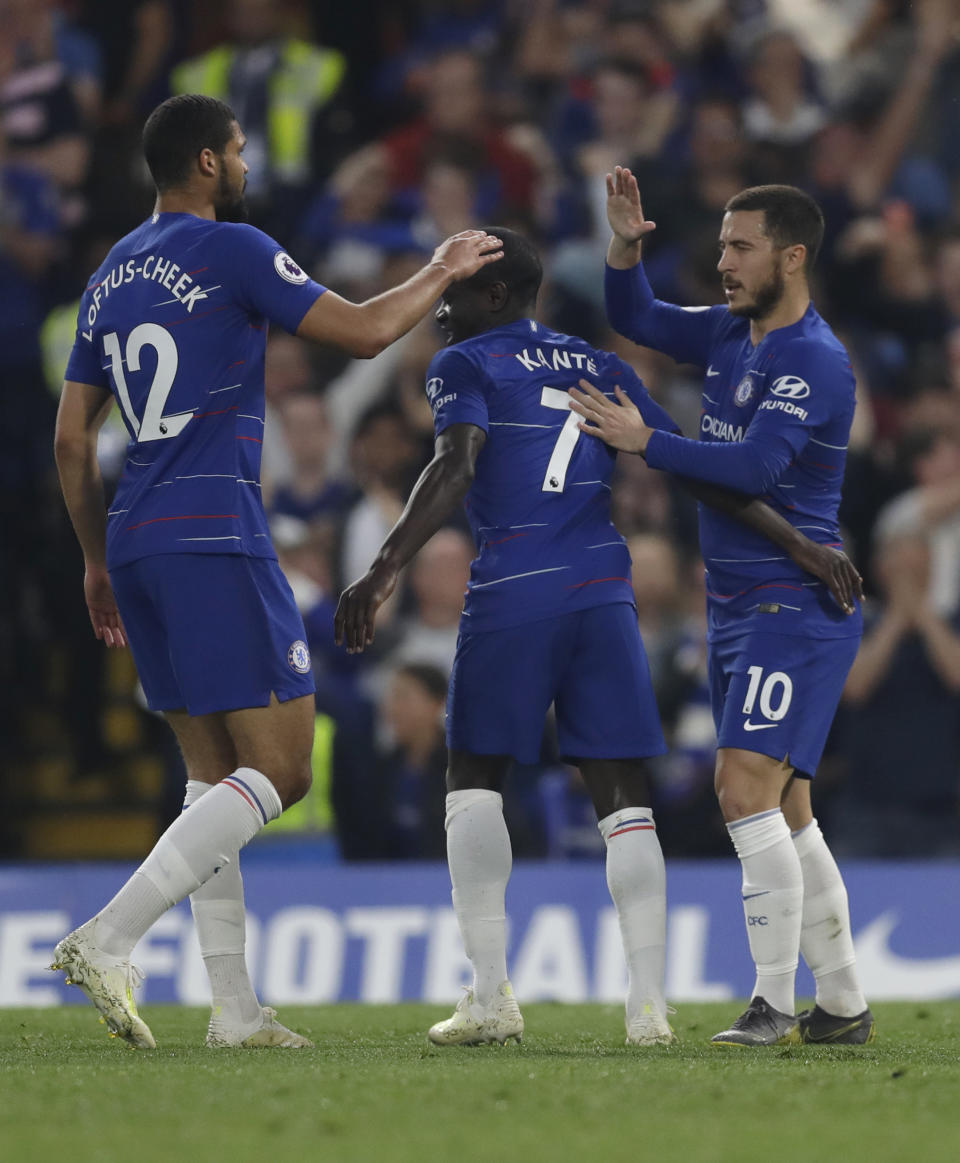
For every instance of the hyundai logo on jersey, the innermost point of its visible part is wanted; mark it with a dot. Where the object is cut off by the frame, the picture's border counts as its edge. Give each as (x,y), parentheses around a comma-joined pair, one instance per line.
(792,387)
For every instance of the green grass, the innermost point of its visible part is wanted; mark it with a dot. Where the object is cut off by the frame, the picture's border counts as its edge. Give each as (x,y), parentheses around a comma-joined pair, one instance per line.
(374,1089)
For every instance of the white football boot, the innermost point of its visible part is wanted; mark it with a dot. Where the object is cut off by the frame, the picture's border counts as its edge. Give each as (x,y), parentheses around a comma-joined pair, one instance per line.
(265,1031)
(108,982)
(472,1024)
(650,1028)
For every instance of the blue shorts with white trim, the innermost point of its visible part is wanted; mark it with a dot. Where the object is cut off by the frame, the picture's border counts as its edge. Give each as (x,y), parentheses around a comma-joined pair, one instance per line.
(212,632)
(777,694)
(590,664)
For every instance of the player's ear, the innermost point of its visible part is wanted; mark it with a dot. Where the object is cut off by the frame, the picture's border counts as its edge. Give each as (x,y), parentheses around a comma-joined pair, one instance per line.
(498,293)
(207,163)
(796,258)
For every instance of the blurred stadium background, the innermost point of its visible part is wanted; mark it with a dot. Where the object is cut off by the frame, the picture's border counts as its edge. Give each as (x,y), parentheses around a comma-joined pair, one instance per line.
(374,130)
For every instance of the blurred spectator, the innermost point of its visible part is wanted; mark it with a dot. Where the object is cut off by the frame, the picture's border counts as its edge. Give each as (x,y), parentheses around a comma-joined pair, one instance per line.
(931,509)
(384,461)
(781,109)
(310,492)
(437,580)
(42,121)
(286,93)
(901,730)
(412,784)
(388,798)
(288,370)
(456,113)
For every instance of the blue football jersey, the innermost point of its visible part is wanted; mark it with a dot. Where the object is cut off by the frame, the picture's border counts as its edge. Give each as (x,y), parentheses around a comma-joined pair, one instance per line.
(775,423)
(539,505)
(174,323)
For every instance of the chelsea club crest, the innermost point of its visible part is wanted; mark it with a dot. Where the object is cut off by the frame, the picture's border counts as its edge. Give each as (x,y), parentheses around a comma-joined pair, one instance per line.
(745,390)
(299,657)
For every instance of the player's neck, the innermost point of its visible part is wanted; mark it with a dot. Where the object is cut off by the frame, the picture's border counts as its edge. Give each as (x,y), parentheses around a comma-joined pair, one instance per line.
(791,309)
(184,202)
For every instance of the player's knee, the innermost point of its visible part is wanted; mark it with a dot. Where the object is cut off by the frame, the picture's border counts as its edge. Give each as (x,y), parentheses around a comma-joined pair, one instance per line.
(297,782)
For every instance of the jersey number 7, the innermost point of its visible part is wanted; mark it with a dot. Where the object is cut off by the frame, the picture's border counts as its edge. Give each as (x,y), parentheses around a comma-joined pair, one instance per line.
(154,425)
(556,474)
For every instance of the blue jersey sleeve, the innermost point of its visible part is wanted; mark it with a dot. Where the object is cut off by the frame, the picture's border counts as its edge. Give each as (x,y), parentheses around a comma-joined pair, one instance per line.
(653,415)
(796,403)
(685,333)
(85,365)
(268,281)
(455,391)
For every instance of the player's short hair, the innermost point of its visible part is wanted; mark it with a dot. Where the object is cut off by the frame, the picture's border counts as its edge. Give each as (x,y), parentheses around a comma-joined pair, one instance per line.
(791,217)
(178,130)
(520,268)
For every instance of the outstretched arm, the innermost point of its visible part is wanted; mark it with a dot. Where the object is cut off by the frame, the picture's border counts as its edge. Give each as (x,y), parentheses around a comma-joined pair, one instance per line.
(830,565)
(365,329)
(442,486)
(621,425)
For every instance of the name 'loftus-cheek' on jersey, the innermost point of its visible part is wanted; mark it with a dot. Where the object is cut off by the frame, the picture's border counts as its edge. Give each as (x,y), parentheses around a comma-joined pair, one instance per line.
(539,505)
(775,423)
(174,323)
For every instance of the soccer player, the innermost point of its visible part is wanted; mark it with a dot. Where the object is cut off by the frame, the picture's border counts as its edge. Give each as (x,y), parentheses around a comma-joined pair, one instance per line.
(173,325)
(778,400)
(549,618)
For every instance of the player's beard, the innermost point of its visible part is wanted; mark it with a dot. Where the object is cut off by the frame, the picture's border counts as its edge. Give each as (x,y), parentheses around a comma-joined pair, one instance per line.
(230,206)
(765,298)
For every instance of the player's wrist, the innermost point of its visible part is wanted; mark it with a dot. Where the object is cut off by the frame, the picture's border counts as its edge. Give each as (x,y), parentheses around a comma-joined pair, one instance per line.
(623,253)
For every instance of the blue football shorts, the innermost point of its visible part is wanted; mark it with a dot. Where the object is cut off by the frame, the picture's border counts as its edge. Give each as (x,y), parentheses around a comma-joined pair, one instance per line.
(212,632)
(590,664)
(778,693)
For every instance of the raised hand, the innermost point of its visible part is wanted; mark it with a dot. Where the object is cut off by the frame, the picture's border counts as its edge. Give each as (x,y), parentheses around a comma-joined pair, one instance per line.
(465,253)
(624,211)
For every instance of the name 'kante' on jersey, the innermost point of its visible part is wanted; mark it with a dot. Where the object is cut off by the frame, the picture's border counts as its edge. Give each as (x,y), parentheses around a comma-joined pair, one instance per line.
(539,505)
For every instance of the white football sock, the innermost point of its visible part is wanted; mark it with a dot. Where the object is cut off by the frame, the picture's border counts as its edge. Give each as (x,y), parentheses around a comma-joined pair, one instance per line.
(638,884)
(480,858)
(220,920)
(826,940)
(188,853)
(772,903)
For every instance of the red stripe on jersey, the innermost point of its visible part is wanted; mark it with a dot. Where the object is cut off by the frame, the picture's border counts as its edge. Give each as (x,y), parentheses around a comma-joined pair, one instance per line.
(236,363)
(186,517)
(777,586)
(596,581)
(253,438)
(221,412)
(512,537)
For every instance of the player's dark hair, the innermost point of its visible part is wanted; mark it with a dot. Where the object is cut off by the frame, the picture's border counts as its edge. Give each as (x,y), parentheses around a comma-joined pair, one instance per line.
(430,677)
(791,217)
(520,268)
(178,130)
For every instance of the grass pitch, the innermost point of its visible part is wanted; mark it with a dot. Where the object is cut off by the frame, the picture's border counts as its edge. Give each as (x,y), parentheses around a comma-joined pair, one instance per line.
(375,1089)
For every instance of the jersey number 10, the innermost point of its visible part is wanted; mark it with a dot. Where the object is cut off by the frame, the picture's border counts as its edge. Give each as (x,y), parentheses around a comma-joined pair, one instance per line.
(153,425)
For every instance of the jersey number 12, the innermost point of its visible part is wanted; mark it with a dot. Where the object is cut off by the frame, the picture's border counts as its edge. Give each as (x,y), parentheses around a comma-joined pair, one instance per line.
(154,425)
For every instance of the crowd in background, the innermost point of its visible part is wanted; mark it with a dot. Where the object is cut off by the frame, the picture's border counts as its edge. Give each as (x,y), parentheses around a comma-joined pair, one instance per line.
(376,129)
